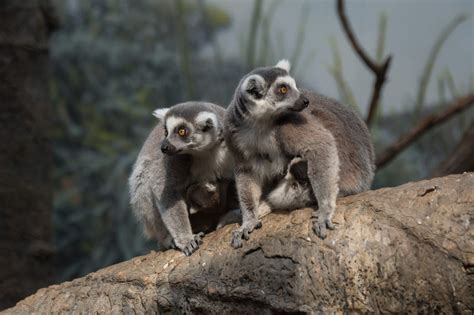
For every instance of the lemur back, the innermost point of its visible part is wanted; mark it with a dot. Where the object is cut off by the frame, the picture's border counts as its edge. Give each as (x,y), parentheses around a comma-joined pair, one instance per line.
(353,142)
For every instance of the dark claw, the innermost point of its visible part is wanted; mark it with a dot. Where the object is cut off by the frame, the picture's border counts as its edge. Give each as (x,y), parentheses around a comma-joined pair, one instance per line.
(243,233)
(198,237)
(193,244)
(321,228)
(330,225)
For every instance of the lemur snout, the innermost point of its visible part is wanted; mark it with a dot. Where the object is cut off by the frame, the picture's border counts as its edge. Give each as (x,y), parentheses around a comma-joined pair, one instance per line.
(306,101)
(300,104)
(167,147)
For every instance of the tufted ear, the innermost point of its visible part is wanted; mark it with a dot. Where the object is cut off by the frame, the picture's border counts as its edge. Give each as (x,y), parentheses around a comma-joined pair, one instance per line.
(160,113)
(254,85)
(284,64)
(206,121)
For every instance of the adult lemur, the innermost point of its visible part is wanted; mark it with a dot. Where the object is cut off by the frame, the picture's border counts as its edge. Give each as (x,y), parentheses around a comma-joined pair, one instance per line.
(183,165)
(270,122)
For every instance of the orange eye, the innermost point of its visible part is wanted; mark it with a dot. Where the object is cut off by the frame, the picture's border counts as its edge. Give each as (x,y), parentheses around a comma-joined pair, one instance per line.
(283,89)
(182,132)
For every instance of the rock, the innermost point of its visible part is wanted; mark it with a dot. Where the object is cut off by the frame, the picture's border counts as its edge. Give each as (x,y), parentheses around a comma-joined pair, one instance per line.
(408,249)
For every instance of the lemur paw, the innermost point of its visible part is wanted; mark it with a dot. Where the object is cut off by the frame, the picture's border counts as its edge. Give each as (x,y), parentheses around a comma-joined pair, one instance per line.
(192,245)
(321,226)
(243,232)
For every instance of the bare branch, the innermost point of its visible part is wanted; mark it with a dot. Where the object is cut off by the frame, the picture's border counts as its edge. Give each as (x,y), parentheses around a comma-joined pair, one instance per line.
(379,69)
(423,126)
(461,159)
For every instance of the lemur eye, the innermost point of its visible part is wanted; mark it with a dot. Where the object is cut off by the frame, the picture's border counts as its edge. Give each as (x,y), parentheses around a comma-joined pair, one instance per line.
(283,89)
(166,133)
(183,132)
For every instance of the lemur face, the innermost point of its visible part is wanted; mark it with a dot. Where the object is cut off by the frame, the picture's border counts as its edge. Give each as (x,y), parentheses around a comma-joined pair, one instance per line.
(188,132)
(271,91)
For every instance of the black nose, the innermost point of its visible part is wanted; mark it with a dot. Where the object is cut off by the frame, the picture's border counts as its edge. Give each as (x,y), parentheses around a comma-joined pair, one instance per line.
(167,147)
(164,147)
(300,104)
(305,101)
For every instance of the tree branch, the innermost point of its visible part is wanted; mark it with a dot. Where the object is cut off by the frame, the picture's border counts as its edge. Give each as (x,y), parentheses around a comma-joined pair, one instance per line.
(285,269)
(461,159)
(379,70)
(423,126)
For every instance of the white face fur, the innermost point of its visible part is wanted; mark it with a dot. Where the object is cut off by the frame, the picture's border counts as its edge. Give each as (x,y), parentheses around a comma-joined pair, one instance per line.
(268,99)
(189,137)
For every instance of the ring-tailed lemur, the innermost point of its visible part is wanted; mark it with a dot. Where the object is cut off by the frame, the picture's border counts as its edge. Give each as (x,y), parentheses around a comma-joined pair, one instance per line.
(269,122)
(183,167)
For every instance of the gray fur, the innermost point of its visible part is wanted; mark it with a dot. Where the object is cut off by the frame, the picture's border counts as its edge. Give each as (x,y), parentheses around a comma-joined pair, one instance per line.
(294,190)
(266,129)
(164,187)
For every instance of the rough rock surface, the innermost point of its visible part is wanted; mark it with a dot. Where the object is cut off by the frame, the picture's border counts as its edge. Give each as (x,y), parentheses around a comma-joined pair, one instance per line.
(403,249)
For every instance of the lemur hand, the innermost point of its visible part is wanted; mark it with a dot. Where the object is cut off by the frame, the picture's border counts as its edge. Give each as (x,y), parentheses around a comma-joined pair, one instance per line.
(190,245)
(243,232)
(321,224)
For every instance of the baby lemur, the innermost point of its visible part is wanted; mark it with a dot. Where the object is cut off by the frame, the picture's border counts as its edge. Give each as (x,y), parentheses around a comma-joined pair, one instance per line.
(270,122)
(183,167)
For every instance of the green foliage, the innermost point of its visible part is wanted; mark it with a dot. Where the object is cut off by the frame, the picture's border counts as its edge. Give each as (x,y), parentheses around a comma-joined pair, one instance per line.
(114,62)
(426,75)
(266,47)
(300,37)
(253,31)
(382,32)
(259,45)
(336,70)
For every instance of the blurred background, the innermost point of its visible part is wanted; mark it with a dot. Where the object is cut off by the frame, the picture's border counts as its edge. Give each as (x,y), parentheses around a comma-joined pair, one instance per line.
(110,63)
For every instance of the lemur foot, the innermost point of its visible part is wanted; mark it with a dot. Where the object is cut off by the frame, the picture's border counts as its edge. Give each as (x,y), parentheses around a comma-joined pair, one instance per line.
(321,226)
(191,245)
(243,232)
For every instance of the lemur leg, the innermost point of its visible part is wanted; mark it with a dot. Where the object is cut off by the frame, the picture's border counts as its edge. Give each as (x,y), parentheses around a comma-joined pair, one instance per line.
(323,173)
(155,229)
(250,192)
(176,219)
(232,216)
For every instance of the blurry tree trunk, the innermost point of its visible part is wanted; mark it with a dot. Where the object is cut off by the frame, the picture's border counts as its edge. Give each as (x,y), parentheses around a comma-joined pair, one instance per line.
(25,152)
(462,158)
(402,250)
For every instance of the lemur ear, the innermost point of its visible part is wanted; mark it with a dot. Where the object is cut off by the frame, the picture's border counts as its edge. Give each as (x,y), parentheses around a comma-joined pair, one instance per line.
(160,113)
(284,64)
(206,121)
(254,85)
